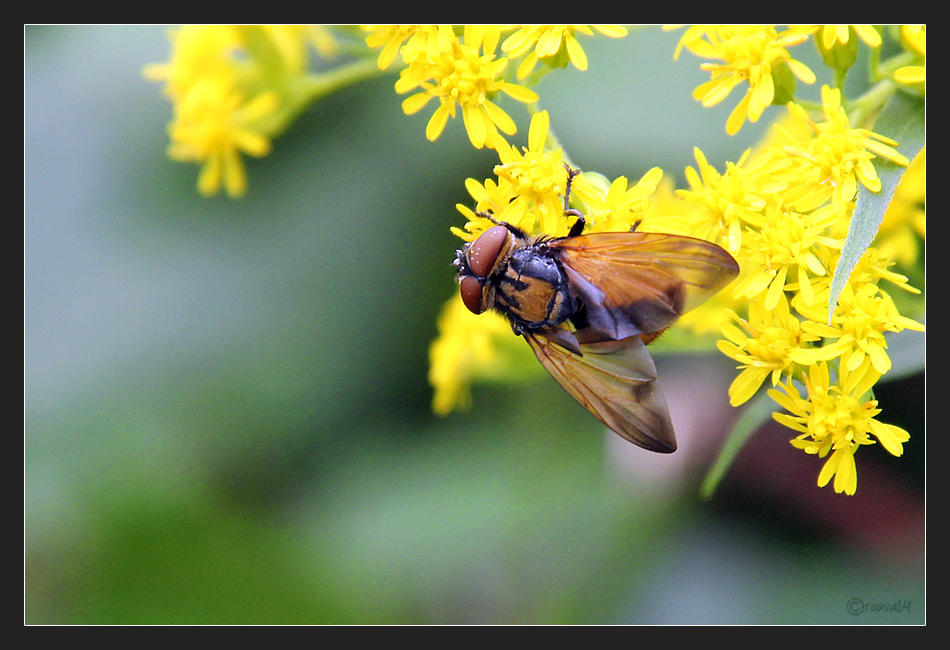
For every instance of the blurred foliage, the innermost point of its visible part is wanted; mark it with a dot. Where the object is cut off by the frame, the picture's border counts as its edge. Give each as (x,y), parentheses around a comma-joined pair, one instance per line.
(226,410)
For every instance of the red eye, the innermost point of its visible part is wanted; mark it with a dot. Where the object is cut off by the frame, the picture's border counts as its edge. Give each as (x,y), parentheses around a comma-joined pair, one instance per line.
(472,294)
(483,253)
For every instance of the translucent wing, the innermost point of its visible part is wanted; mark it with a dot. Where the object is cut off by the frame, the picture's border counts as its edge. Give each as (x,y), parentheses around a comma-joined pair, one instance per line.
(634,282)
(616,381)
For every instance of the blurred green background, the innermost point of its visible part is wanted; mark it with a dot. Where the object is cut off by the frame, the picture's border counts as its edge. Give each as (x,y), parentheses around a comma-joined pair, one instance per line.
(227,418)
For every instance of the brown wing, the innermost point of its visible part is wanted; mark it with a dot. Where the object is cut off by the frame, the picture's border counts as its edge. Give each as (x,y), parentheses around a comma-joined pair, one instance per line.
(635,282)
(616,382)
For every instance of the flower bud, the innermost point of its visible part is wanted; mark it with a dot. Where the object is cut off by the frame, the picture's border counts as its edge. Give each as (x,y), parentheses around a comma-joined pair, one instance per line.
(840,56)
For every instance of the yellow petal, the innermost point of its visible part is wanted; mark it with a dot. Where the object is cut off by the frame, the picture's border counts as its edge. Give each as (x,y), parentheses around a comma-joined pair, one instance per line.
(475,125)
(437,122)
(411,105)
(846,478)
(576,53)
(746,385)
(538,131)
(738,115)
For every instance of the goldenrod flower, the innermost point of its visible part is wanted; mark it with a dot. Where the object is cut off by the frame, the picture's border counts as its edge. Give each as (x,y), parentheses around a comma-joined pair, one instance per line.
(836,418)
(624,206)
(214,125)
(233,88)
(874,266)
(782,210)
(831,35)
(497,200)
(789,247)
(549,41)
(838,44)
(750,54)
(727,202)
(535,177)
(771,342)
(427,41)
(529,190)
(469,347)
(199,52)
(464,77)
(830,158)
(862,316)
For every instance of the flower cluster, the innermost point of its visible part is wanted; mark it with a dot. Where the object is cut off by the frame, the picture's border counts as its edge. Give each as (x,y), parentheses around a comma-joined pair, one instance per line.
(233,88)
(785,211)
(467,72)
(752,55)
(810,314)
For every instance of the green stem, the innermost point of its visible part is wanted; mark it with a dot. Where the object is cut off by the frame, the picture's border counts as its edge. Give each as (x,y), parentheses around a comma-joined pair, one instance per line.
(315,86)
(301,92)
(886,70)
(870,103)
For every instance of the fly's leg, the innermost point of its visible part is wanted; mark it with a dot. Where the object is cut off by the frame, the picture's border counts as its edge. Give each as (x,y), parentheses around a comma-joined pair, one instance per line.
(578,226)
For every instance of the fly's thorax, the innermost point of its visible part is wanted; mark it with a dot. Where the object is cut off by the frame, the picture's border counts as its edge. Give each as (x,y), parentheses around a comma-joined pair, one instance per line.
(532,289)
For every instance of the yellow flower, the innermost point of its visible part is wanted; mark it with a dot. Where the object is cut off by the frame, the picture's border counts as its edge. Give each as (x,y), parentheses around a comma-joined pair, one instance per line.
(862,316)
(214,125)
(624,207)
(420,40)
(830,158)
(497,200)
(830,35)
(198,52)
(464,77)
(535,177)
(838,44)
(468,348)
(232,89)
(750,54)
(728,202)
(787,243)
(784,211)
(529,192)
(875,266)
(549,41)
(770,343)
(667,212)
(836,419)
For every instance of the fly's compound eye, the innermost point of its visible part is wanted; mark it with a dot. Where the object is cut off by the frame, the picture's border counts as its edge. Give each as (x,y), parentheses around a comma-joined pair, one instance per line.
(481,257)
(485,251)
(473,294)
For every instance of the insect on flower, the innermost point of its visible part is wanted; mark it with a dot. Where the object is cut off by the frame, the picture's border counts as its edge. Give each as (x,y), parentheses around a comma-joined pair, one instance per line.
(588,305)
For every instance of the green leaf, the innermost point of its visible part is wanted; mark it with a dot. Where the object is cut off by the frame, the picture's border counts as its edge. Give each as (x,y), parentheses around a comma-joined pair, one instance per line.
(902,120)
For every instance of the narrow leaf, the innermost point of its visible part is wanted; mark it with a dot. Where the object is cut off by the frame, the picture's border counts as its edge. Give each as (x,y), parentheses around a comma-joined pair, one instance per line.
(903,120)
